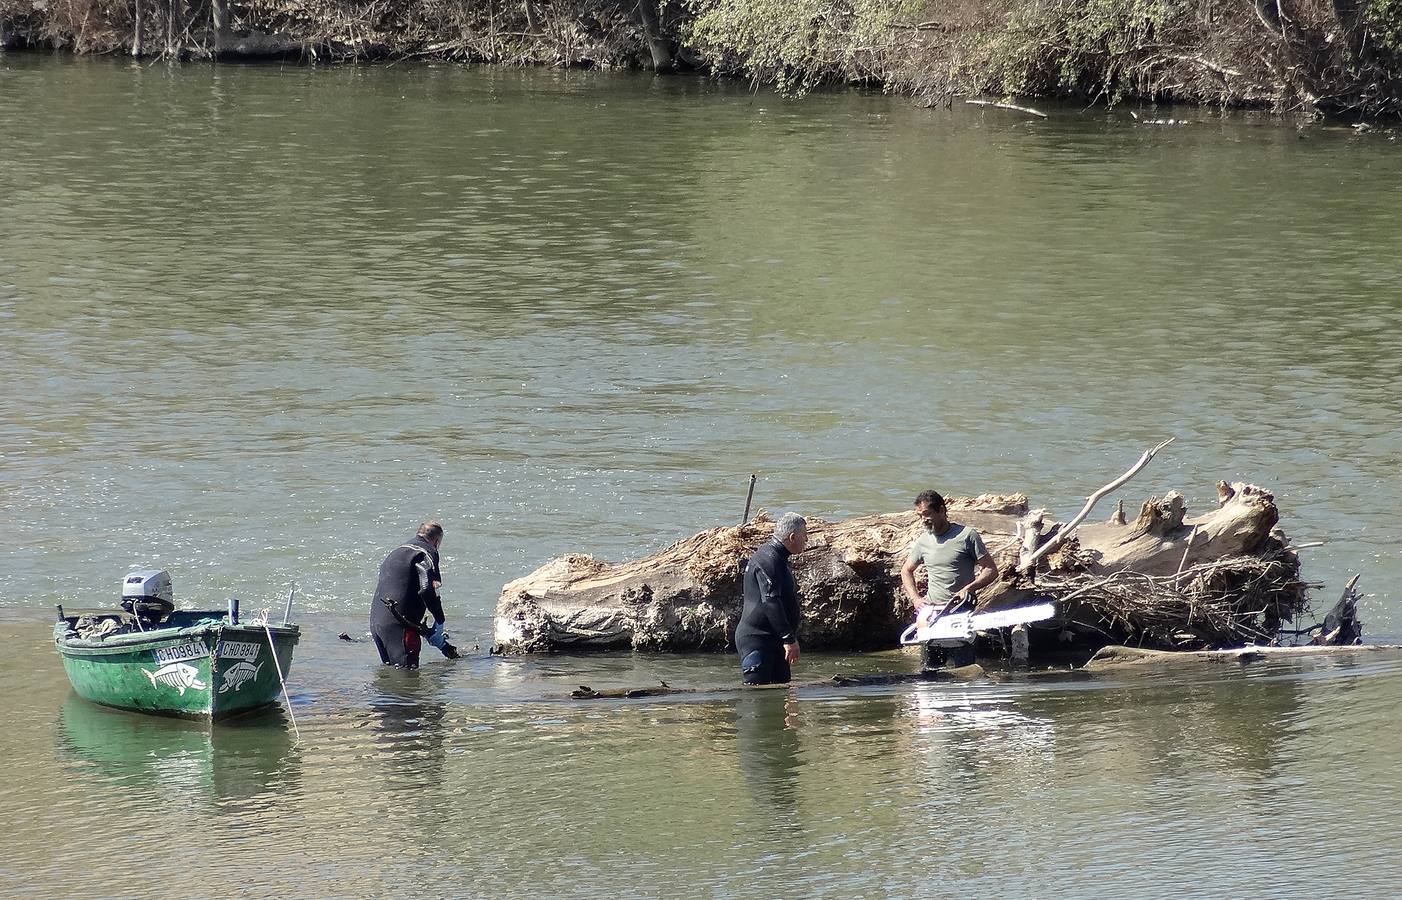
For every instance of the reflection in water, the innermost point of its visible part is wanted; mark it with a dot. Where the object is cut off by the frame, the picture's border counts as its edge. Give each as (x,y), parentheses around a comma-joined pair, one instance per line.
(971,736)
(768,741)
(409,729)
(1083,787)
(1239,724)
(179,760)
(408,712)
(1174,725)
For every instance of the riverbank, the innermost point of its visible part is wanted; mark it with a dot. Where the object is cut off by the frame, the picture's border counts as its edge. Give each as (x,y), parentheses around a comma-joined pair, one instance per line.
(1342,58)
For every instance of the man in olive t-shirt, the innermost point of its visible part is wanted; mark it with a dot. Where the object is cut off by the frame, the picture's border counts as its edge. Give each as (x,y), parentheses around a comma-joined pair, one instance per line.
(951,553)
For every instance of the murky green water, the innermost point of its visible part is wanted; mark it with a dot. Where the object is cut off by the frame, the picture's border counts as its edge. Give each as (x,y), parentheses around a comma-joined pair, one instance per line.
(256,322)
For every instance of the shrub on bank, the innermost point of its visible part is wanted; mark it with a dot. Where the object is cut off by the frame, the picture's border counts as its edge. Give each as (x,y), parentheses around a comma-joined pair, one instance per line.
(1313,56)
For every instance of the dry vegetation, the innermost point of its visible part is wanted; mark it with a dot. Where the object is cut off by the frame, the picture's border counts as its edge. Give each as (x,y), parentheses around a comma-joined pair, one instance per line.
(1341,57)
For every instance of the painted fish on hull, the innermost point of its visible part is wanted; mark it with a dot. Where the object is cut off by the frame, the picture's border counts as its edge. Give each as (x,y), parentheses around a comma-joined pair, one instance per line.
(178,675)
(239,673)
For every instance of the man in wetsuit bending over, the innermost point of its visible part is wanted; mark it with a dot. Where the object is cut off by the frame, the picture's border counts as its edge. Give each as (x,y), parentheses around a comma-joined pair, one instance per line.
(767,635)
(408,587)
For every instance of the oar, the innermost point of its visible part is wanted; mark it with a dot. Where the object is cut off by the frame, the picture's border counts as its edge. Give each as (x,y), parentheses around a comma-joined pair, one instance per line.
(272,650)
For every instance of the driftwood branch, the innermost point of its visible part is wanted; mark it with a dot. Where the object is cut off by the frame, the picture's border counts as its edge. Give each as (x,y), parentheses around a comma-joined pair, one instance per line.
(1187,546)
(1209,65)
(1064,533)
(919,26)
(1029,533)
(1341,625)
(1116,658)
(998,105)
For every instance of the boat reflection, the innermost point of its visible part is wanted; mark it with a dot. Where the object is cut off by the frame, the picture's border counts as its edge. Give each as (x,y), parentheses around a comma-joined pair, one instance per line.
(180,760)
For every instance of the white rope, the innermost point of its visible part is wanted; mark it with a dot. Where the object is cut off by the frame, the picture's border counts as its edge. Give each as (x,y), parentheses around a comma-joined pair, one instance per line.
(272,648)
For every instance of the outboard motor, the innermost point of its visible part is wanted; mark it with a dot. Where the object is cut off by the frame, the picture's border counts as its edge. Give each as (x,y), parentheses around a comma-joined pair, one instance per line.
(147,595)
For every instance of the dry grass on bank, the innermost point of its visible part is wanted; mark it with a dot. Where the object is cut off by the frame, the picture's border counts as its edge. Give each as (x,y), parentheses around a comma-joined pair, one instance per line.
(1324,56)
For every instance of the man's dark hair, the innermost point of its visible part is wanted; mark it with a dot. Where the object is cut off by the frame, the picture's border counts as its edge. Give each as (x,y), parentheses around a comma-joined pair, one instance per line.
(431,530)
(929,498)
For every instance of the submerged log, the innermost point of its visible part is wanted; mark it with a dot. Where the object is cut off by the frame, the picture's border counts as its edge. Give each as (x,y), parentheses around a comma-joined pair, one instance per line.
(961,673)
(1115,658)
(1165,580)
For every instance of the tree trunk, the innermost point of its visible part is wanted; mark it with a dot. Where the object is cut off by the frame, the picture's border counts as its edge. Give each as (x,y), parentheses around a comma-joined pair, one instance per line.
(688,596)
(1346,15)
(659,47)
(219,17)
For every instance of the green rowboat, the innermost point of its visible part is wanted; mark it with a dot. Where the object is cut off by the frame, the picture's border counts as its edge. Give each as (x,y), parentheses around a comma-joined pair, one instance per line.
(194,663)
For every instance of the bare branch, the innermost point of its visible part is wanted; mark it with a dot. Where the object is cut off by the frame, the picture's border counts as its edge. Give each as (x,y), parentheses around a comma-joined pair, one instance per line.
(1093,499)
(919,26)
(997,105)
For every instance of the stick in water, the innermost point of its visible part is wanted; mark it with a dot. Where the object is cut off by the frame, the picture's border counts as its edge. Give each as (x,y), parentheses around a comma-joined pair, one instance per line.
(748,497)
(996,105)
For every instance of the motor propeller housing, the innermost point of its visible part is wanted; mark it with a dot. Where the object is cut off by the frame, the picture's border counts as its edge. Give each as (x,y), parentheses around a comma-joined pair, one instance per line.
(148,594)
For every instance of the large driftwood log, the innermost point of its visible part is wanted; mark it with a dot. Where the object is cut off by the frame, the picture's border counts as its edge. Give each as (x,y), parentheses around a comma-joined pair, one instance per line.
(688,596)
(1162,580)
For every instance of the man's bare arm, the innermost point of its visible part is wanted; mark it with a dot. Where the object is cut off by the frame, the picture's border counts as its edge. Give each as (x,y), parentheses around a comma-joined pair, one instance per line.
(908,582)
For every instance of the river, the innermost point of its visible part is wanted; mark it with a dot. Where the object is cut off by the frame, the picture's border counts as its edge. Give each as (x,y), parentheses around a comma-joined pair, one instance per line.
(257,321)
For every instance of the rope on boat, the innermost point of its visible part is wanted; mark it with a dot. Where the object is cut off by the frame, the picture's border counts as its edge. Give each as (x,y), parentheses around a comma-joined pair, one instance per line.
(272,648)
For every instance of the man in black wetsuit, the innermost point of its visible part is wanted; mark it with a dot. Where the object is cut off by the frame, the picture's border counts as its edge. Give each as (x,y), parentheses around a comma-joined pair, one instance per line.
(767,636)
(408,587)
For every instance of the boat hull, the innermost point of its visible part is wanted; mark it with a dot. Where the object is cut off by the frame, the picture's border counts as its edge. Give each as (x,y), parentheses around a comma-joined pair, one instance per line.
(208,670)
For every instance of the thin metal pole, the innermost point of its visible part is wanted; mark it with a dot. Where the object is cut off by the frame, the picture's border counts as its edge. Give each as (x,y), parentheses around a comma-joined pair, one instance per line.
(272,648)
(287,610)
(748,498)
